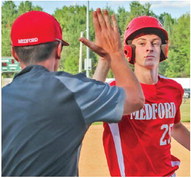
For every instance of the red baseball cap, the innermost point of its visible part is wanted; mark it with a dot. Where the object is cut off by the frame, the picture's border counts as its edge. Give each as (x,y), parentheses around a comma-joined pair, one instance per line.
(36,27)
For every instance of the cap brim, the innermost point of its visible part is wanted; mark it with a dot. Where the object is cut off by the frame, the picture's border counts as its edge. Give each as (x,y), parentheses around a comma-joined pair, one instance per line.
(65,43)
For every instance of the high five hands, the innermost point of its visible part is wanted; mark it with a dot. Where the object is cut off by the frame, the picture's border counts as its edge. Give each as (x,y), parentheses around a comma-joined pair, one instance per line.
(107,37)
(108,46)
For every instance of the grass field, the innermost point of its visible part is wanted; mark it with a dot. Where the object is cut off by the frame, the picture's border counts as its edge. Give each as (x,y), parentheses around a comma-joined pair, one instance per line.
(185,110)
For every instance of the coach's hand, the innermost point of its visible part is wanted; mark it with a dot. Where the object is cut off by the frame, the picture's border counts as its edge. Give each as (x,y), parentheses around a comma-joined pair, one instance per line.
(107,37)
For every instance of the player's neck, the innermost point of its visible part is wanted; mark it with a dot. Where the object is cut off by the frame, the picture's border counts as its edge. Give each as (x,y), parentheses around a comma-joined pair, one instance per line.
(147,76)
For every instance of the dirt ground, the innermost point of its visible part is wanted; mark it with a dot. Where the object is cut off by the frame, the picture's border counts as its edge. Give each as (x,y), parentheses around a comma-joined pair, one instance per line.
(93,163)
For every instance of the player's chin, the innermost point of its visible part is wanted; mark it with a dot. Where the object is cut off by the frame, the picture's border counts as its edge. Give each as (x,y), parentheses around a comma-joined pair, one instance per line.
(150,64)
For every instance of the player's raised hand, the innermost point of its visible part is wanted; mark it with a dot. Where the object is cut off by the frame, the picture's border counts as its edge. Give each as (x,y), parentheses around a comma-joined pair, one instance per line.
(107,37)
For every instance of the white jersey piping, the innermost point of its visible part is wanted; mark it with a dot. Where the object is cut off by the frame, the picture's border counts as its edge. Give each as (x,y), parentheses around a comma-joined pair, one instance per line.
(117,141)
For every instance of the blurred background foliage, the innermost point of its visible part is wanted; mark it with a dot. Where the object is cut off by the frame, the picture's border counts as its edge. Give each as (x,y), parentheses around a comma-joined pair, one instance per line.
(73,22)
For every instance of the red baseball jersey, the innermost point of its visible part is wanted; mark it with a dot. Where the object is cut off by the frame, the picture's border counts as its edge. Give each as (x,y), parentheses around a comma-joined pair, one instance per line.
(139,145)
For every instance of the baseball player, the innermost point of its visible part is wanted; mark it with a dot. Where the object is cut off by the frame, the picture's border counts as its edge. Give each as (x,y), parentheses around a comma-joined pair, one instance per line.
(139,145)
(45,114)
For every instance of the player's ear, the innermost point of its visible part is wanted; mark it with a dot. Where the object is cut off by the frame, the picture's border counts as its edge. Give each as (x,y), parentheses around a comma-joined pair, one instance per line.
(59,51)
(14,54)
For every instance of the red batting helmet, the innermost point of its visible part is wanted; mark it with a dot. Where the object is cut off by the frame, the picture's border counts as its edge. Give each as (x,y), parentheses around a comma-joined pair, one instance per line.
(145,25)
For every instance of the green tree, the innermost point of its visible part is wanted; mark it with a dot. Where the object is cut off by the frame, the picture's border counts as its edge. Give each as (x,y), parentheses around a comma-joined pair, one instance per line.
(136,9)
(9,13)
(179,55)
(26,6)
(122,16)
(167,22)
(73,21)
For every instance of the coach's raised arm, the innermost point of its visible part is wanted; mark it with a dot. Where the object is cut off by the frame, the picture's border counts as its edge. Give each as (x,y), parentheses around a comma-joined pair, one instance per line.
(108,46)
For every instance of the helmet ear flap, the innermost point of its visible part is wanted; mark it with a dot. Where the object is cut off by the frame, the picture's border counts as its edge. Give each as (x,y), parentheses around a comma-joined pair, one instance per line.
(164,52)
(129,51)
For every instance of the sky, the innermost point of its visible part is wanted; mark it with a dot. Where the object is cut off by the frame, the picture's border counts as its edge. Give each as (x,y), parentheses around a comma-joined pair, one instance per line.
(175,8)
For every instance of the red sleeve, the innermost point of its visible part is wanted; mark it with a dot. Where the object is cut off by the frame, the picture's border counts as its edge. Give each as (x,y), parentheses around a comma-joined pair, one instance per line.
(113,83)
